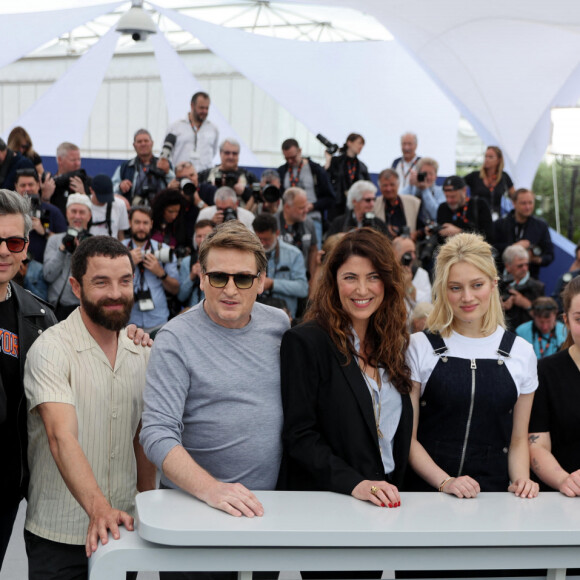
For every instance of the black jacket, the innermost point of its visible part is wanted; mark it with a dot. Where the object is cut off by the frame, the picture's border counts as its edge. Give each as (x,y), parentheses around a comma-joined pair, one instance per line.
(338,179)
(535,230)
(329,435)
(325,196)
(34,316)
(478,218)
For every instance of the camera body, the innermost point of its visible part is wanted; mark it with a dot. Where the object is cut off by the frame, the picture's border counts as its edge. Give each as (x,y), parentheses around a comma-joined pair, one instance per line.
(269,193)
(331,148)
(164,254)
(230,214)
(226,178)
(73,234)
(63,181)
(421,176)
(187,186)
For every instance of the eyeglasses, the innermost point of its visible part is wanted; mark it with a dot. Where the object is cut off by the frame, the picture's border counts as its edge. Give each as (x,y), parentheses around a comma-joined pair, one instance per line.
(14,244)
(230,152)
(368,199)
(221,279)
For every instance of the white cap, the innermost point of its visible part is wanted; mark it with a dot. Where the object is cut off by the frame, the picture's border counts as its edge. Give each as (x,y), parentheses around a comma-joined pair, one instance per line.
(79,198)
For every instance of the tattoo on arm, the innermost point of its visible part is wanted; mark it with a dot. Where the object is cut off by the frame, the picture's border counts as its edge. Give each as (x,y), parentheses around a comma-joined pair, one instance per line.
(533,438)
(535,465)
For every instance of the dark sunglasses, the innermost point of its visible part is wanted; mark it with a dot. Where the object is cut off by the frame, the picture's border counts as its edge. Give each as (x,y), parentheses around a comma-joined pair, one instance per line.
(14,243)
(221,279)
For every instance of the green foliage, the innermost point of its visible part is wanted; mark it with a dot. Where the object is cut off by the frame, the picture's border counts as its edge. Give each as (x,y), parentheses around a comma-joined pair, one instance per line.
(543,187)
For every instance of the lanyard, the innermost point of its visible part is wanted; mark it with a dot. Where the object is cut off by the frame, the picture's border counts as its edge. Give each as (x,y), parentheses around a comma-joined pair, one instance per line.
(295,180)
(351,167)
(406,173)
(140,265)
(548,340)
(462,215)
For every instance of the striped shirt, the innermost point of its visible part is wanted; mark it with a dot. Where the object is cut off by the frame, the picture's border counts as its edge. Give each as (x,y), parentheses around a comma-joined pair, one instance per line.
(66,365)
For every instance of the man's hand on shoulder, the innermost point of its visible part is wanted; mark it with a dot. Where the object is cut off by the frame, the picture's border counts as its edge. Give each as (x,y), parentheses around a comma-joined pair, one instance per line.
(232,498)
(103,518)
(138,335)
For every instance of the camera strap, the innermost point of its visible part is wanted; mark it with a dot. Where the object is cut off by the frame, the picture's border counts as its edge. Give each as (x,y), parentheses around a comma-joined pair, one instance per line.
(107,219)
(140,266)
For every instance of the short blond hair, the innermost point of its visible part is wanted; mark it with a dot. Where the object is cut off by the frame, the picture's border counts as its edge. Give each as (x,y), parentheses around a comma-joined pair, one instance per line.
(471,249)
(233,235)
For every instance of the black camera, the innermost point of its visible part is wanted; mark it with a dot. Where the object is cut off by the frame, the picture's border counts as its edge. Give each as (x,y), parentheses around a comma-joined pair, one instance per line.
(269,193)
(230,214)
(536,250)
(36,210)
(187,186)
(421,176)
(73,234)
(429,244)
(63,181)
(227,178)
(406,259)
(331,148)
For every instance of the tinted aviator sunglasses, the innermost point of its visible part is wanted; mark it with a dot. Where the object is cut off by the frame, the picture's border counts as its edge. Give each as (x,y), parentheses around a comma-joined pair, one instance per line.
(14,244)
(221,279)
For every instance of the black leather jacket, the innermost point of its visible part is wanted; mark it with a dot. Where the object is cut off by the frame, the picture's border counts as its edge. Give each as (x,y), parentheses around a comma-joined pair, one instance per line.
(34,316)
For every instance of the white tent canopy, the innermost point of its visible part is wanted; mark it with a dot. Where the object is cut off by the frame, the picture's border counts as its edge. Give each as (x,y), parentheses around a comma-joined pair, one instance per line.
(504,64)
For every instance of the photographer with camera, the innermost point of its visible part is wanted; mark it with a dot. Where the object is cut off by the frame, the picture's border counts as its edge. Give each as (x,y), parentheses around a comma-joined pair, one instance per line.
(266,195)
(302,172)
(46,221)
(345,168)
(144,176)
(417,283)
(423,184)
(229,174)
(397,211)
(155,273)
(360,205)
(190,292)
(521,227)
(10,163)
(226,209)
(59,251)
(70,178)
(286,273)
(518,289)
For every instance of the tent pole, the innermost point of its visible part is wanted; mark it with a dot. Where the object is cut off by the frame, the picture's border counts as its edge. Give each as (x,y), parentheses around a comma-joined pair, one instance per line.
(556,201)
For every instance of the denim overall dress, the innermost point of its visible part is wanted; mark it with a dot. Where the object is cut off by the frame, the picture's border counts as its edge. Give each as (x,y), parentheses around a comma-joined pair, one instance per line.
(466,415)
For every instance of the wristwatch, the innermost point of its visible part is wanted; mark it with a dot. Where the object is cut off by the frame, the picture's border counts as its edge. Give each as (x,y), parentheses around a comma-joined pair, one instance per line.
(163,277)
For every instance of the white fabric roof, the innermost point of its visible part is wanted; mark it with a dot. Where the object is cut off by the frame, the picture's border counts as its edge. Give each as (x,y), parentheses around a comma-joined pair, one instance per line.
(503,63)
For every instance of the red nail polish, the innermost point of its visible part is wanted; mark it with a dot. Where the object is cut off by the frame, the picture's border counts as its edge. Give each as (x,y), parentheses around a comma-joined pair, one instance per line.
(390,505)
(382,504)
(399,504)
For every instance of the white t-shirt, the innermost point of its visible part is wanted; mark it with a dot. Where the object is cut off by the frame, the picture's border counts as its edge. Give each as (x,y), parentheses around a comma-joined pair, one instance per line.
(119,218)
(521,364)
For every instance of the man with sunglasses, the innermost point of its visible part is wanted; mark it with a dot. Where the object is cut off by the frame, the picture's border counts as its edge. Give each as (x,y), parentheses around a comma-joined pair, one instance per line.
(213,414)
(23,319)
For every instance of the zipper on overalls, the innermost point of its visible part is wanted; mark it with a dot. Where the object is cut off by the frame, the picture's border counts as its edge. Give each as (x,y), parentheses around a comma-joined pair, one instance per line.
(468,426)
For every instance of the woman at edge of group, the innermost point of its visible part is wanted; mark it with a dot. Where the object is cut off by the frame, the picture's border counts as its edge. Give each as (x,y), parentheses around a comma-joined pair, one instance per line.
(473,382)
(345,381)
(344,169)
(491,182)
(554,424)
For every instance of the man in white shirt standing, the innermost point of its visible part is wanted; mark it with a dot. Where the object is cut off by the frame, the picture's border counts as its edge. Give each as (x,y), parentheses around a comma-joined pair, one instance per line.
(196,138)
(405,164)
(110,216)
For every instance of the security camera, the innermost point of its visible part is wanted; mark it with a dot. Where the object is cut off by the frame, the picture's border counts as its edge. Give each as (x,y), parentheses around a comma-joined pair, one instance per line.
(136,22)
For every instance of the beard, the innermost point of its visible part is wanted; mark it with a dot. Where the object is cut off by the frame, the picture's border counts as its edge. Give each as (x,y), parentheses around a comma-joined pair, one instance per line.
(140,237)
(114,320)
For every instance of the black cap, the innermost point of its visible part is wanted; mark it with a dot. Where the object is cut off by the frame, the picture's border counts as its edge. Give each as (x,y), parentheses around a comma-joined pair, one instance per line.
(455,182)
(103,188)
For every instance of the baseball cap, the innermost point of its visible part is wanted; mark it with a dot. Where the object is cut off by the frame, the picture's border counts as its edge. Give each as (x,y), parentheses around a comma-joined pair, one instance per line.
(103,188)
(455,182)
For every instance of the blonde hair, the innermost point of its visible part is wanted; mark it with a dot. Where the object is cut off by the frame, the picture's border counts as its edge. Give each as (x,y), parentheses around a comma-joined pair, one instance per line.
(471,249)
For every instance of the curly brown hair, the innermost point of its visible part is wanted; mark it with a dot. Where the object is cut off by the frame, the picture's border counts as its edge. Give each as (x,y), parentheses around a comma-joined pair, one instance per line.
(387,335)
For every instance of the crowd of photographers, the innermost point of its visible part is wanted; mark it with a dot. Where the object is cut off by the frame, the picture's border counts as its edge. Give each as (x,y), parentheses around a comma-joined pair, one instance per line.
(163,207)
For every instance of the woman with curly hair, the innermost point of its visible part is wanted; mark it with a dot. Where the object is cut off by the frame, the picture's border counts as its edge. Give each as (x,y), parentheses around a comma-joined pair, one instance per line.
(473,382)
(345,382)
(168,224)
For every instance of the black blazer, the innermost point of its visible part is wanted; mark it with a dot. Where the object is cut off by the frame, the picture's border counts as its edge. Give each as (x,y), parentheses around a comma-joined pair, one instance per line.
(329,436)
